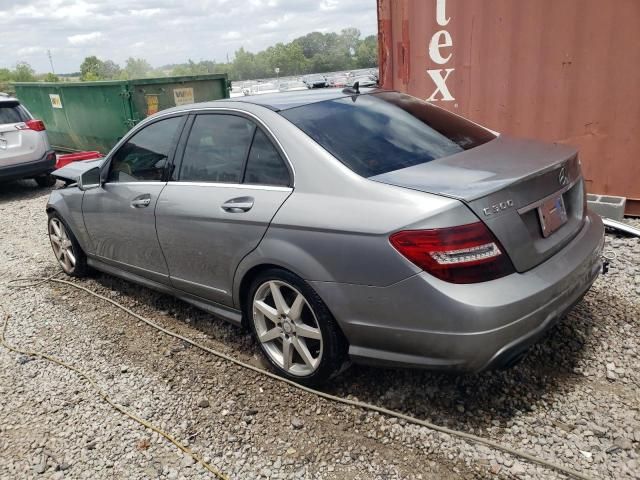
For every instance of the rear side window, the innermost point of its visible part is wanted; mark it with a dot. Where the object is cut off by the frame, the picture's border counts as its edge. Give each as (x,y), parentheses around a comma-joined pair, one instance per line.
(379,133)
(13,112)
(216,149)
(265,166)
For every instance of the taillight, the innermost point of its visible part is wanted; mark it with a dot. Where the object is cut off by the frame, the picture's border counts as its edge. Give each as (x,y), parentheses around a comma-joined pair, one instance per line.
(36,125)
(462,254)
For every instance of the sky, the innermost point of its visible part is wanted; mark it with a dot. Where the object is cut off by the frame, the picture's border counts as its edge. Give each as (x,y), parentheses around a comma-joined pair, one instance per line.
(162,31)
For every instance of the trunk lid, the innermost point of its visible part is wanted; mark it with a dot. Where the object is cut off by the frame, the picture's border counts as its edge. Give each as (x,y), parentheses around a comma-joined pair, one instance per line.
(505,182)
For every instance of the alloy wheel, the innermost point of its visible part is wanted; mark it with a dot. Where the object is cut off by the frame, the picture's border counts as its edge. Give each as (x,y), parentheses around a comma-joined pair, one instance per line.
(287,328)
(62,245)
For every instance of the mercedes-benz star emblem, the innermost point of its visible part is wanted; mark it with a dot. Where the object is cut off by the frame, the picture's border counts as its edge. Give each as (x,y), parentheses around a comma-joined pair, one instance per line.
(562,177)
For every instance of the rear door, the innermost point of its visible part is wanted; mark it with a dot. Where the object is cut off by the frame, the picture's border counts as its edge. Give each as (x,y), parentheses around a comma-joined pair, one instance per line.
(119,216)
(229,185)
(18,144)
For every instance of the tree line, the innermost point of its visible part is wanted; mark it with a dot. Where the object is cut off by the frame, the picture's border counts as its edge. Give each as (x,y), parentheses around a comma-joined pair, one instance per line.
(312,53)
(24,73)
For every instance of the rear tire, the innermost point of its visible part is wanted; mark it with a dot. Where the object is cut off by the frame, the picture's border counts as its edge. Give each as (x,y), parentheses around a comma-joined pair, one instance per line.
(65,247)
(294,328)
(45,181)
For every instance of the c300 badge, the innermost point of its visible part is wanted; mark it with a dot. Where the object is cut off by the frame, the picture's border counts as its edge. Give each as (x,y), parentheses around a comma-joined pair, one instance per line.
(497,207)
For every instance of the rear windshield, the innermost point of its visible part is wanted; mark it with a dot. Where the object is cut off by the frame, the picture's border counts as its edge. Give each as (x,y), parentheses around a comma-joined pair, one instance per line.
(382,132)
(12,112)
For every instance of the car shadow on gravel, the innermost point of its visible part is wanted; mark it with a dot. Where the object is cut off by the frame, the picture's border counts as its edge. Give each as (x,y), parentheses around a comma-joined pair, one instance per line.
(21,190)
(485,399)
(155,304)
(471,401)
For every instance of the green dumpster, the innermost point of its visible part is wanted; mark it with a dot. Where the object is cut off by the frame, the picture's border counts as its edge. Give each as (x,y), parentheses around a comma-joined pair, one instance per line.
(95,115)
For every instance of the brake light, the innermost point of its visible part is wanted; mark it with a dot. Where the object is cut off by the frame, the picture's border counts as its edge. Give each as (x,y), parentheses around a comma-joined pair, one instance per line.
(35,125)
(462,254)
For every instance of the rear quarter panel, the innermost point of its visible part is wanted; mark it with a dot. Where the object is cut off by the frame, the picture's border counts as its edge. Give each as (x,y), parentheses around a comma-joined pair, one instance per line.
(335,226)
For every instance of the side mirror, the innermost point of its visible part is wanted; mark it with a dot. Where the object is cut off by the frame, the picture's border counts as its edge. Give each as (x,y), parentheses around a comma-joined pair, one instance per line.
(89,179)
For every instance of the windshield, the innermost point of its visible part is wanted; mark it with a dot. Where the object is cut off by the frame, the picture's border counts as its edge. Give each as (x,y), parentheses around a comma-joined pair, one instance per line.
(382,132)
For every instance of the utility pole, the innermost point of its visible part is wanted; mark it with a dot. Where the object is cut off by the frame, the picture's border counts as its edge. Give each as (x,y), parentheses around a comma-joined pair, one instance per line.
(51,61)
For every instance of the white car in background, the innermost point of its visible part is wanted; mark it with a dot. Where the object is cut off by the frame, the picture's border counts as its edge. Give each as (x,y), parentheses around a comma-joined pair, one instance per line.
(24,147)
(262,88)
(292,85)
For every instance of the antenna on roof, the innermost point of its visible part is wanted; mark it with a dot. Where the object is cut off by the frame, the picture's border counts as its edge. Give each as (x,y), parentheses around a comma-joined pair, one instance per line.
(355,88)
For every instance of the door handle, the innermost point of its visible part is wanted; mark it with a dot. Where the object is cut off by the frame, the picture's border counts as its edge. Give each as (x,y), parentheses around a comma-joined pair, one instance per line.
(141,201)
(238,205)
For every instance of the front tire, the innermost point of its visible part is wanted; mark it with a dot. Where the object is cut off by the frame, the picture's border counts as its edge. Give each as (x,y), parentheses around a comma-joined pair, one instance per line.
(66,248)
(294,328)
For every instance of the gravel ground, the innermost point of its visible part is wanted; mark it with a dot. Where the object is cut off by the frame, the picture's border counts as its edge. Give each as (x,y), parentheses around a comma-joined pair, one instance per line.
(574,400)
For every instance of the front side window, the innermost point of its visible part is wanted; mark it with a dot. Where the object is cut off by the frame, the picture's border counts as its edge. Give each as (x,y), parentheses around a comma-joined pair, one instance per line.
(265,165)
(217,149)
(144,156)
(382,132)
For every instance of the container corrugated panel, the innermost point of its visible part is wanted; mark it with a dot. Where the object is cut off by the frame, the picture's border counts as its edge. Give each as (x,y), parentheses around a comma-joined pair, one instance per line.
(95,115)
(565,71)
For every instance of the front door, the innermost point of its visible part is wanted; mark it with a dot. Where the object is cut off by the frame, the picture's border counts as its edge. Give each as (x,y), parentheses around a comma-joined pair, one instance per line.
(120,216)
(229,185)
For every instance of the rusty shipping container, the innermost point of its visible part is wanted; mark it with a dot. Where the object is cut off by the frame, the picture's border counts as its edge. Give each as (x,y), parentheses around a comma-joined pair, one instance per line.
(565,71)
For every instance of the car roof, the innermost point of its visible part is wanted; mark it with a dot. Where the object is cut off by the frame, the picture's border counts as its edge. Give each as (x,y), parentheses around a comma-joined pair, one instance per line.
(286,100)
(7,98)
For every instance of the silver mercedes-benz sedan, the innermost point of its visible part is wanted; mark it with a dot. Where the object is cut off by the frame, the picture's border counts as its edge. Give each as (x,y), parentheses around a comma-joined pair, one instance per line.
(362,225)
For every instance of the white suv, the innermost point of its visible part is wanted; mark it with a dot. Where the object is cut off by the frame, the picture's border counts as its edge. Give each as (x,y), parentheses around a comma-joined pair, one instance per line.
(24,147)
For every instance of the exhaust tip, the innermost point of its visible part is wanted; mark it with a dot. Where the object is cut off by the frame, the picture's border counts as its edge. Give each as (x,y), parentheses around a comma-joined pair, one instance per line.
(513,360)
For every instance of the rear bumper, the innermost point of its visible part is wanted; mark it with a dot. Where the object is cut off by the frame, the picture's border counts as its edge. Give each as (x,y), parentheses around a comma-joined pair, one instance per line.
(35,168)
(425,322)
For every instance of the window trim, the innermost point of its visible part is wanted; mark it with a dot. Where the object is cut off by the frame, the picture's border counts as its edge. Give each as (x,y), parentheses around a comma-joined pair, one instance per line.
(176,161)
(246,157)
(248,186)
(258,123)
(106,167)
